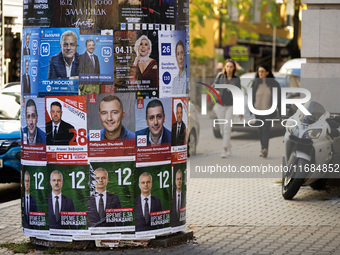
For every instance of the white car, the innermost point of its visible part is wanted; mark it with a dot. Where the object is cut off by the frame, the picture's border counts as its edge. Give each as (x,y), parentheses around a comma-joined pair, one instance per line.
(293,66)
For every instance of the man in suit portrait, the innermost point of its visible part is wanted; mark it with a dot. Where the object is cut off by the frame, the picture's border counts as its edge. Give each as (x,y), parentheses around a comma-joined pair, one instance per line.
(101,201)
(111,113)
(29,202)
(57,202)
(65,64)
(156,133)
(178,131)
(27,50)
(178,200)
(58,131)
(31,134)
(146,204)
(88,62)
(26,81)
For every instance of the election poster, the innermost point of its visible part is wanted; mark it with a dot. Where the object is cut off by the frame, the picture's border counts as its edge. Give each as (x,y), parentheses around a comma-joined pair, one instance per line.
(66,199)
(153,199)
(33,200)
(179,130)
(96,59)
(33,135)
(111,127)
(86,15)
(30,61)
(66,129)
(111,200)
(153,130)
(182,21)
(58,61)
(178,212)
(30,42)
(173,68)
(37,13)
(136,61)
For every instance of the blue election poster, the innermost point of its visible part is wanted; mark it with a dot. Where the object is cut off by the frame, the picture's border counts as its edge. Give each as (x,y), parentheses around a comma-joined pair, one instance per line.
(30,61)
(173,68)
(58,61)
(96,59)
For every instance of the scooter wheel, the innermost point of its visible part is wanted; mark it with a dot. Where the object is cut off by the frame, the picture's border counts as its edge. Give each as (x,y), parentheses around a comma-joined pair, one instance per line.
(292,180)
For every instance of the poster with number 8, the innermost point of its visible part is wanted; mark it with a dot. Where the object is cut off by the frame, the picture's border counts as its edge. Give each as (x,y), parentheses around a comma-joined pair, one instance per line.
(66,129)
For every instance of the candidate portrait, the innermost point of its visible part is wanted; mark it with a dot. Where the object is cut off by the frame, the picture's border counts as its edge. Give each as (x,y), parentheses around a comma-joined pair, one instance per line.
(26,81)
(179,83)
(101,201)
(178,131)
(146,204)
(27,50)
(29,203)
(57,202)
(65,64)
(31,134)
(178,200)
(58,132)
(156,133)
(111,114)
(88,62)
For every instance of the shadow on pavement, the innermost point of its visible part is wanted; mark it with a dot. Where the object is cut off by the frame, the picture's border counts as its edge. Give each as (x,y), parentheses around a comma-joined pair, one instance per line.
(9,191)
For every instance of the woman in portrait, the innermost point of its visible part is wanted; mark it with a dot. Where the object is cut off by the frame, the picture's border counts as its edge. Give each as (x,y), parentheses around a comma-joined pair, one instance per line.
(179,83)
(144,70)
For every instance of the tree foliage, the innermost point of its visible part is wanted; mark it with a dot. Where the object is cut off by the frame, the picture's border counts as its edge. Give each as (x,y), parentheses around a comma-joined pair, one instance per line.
(221,12)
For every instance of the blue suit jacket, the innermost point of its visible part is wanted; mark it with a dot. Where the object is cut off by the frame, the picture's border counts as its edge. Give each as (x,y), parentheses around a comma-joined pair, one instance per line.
(41,136)
(166,138)
(57,69)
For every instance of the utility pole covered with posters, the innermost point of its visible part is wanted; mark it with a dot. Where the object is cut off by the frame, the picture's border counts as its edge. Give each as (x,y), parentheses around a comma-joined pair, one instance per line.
(104,119)
(1,42)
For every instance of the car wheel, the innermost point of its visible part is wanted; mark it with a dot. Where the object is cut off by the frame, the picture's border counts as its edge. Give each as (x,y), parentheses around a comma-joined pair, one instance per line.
(192,144)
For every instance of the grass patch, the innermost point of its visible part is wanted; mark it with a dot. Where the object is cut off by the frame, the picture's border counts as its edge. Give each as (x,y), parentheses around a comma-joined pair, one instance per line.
(17,247)
(50,251)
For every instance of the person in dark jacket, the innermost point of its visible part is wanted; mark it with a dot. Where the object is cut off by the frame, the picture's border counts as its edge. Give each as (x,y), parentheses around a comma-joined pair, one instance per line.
(262,93)
(225,111)
(101,201)
(65,64)
(58,132)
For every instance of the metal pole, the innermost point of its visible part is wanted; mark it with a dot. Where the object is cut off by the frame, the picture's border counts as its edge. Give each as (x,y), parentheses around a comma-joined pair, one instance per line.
(274,49)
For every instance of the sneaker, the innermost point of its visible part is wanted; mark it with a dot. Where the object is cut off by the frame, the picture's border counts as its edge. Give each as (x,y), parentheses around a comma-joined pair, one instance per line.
(224,154)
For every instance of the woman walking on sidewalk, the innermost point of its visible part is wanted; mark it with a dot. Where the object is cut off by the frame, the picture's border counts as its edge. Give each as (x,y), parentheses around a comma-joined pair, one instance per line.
(262,89)
(225,111)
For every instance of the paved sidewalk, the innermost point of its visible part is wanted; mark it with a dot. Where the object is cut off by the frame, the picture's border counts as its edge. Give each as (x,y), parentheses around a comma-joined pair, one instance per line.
(236,215)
